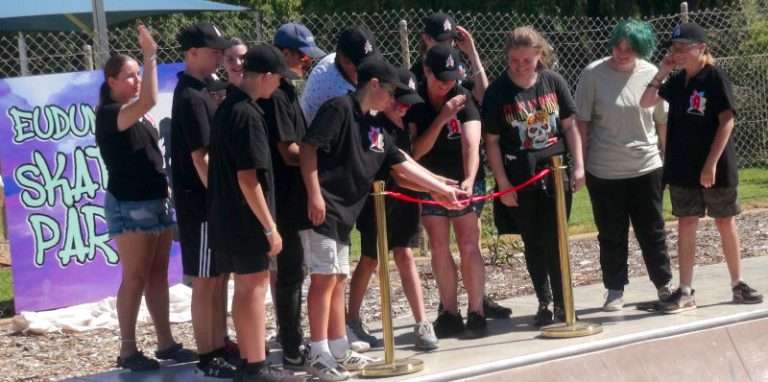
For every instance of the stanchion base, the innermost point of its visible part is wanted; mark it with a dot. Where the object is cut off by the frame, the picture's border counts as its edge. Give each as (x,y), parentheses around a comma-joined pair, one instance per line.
(578,329)
(399,367)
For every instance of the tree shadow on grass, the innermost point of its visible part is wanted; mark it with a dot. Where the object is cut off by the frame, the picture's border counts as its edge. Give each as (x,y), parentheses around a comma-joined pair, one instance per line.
(6,308)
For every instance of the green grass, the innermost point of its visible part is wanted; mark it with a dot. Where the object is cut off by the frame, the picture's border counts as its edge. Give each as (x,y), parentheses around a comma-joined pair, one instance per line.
(6,293)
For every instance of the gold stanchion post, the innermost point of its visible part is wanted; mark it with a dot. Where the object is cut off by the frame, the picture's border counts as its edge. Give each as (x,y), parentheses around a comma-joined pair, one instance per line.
(571,327)
(390,367)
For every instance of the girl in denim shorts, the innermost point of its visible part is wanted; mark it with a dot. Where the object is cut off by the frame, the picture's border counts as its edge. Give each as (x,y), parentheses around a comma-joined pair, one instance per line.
(137,208)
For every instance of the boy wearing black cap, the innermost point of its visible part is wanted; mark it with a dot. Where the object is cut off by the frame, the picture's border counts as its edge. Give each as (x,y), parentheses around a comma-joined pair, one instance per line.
(336,74)
(192,112)
(241,204)
(700,160)
(340,157)
(403,225)
(286,127)
(440,28)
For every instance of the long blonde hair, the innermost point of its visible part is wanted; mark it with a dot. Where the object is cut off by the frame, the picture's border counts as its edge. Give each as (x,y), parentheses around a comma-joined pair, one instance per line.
(529,37)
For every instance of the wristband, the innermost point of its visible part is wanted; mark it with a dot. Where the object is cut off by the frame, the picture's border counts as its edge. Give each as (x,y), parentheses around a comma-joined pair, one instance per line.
(269,233)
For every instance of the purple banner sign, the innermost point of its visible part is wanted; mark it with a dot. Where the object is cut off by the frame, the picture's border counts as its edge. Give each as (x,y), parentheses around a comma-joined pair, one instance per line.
(55,182)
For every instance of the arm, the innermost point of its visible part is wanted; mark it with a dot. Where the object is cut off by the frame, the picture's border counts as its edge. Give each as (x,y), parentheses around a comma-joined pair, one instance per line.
(289,151)
(423,143)
(651,96)
(131,112)
(466,43)
(200,160)
(425,181)
(573,138)
(254,196)
(724,130)
(470,151)
(496,163)
(583,127)
(315,202)
(661,131)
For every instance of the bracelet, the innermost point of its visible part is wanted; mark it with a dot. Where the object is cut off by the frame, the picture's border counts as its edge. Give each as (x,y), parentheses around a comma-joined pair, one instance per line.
(653,85)
(151,58)
(269,232)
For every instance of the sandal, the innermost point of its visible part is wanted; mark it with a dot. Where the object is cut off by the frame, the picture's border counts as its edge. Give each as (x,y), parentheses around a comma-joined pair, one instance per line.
(138,362)
(177,353)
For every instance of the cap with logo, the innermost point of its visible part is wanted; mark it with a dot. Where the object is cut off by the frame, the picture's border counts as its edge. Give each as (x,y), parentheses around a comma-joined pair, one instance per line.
(444,62)
(202,35)
(440,27)
(297,36)
(688,33)
(380,69)
(356,43)
(265,58)
(407,96)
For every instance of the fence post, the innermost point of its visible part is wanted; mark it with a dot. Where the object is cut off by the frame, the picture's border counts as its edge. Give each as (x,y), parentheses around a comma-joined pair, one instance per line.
(88,57)
(404,46)
(100,33)
(684,11)
(23,58)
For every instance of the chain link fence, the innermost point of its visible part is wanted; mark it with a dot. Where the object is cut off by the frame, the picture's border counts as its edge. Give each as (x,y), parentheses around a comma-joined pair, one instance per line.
(577,42)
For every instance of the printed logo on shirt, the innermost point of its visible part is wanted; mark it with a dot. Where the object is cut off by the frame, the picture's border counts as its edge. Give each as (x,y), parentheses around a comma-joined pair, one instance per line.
(535,121)
(376,138)
(454,129)
(697,104)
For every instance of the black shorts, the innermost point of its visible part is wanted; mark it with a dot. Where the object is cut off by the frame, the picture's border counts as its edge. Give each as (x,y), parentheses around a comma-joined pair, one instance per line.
(196,255)
(403,222)
(242,261)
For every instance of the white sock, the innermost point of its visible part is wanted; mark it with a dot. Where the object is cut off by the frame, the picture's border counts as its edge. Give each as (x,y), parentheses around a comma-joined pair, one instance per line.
(318,347)
(735,282)
(686,289)
(339,347)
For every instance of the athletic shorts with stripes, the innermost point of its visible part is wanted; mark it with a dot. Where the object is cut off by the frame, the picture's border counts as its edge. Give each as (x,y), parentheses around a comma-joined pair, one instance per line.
(196,255)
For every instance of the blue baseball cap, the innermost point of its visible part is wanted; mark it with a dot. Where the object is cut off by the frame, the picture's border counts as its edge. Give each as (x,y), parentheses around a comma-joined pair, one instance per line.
(297,36)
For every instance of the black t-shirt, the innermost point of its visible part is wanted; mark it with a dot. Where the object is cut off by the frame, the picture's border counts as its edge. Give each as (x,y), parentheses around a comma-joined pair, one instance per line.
(351,150)
(285,124)
(445,158)
(693,121)
(191,116)
(239,141)
(528,121)
(132,156)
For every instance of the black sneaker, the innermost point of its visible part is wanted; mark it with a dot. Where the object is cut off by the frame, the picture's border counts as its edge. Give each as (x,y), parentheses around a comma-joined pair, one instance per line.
(743,294)
(231,352)
(476,325)
(293,363)
(492,309)
(138,362)
(265,374)
(678,302)
(177,353)
(544,316)
(448,324)
(217,368)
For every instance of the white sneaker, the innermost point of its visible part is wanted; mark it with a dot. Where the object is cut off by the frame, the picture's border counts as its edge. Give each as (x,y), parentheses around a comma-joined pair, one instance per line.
(324,367)
(354,361)
(425,336)
(614,300)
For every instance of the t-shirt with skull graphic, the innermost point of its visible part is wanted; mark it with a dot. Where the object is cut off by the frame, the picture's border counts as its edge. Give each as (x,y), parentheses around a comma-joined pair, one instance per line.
(527,120)
(446,157)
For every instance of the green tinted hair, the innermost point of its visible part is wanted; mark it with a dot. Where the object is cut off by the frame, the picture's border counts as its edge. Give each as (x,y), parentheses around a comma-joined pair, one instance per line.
(639,34)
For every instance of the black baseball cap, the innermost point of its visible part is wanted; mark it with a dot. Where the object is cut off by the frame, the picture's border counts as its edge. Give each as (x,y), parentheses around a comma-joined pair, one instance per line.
(688,33)
(265,58)
(356,43)
(297,36)
(407,96)
(202,35)
(445,62)
(440,27)
(386,73)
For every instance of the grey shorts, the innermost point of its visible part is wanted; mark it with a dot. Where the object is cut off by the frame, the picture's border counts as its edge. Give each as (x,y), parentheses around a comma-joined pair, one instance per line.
(714,202)
(324,255)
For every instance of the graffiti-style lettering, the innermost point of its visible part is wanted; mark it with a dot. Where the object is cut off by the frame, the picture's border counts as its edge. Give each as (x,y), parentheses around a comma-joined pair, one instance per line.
(52,122)
(43,242)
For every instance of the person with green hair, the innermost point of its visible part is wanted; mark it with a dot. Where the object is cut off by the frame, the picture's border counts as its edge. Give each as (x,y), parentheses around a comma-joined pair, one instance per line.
(622,146)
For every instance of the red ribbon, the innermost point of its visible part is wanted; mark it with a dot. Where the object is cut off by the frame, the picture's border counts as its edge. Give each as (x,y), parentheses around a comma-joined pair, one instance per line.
(473,199)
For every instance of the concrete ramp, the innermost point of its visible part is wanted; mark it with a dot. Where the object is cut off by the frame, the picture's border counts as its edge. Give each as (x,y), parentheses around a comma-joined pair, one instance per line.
(737,352)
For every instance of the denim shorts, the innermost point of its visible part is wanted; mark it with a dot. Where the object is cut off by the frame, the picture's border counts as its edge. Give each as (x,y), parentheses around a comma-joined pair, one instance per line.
(137,216)
(434,210)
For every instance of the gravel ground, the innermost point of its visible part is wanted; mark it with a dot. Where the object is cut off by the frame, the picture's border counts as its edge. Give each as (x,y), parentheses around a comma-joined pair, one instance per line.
(60,356)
